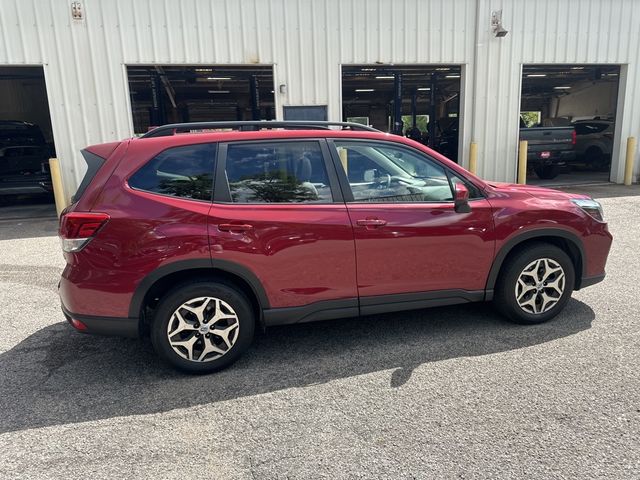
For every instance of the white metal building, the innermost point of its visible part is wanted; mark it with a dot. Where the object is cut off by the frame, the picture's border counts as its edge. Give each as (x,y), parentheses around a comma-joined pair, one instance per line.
(307,42)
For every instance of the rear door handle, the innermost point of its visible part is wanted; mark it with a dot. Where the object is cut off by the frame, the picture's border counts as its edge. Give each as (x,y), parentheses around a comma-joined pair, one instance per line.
(234,227)
(371,222)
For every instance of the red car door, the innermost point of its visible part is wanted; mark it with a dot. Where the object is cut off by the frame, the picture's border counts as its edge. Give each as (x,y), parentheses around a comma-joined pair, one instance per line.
(278,213)
(412,247)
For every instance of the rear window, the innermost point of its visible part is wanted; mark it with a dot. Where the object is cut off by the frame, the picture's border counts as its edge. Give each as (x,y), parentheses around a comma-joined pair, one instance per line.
(587,128)
(185,172)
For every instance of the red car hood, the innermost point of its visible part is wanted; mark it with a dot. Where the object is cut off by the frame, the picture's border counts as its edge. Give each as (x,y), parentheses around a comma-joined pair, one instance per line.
(534,191)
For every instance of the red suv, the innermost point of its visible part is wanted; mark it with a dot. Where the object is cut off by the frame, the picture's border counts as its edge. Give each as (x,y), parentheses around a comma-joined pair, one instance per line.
(197,236)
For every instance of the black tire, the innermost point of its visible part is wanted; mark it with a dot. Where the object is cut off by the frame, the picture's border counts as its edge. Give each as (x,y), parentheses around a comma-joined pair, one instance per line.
(597,160)
(505,293)
(180,295)
(548,172)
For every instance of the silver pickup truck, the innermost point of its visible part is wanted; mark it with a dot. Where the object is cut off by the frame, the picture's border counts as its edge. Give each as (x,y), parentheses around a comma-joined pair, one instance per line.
(550,148)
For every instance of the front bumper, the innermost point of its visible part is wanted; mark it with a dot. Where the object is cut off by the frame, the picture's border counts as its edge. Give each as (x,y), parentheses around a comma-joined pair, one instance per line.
(111,326)
(588,281)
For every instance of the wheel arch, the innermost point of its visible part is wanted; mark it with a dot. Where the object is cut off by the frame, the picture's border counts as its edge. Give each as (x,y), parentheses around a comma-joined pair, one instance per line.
(567,241)
(166,277)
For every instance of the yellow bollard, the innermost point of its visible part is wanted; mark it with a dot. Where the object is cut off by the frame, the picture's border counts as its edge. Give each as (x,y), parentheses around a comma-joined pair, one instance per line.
(344,159)
(58,189)
(628,165)
(522,162)
(473,158)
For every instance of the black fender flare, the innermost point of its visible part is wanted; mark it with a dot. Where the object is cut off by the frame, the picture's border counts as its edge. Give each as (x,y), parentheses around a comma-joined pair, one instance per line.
(529,235)
(223,266)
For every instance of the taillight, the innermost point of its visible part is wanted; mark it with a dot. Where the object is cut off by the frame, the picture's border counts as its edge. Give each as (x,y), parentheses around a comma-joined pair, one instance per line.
(573,137)
(78,228)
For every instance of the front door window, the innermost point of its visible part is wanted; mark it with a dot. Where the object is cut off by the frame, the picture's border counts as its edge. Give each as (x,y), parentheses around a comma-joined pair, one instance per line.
(378,172)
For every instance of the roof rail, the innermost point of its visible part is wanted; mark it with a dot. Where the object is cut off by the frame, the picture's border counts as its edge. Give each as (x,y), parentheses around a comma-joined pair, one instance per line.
(173,128)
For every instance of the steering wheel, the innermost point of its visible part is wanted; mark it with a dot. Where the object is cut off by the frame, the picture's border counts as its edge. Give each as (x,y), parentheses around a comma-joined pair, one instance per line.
(384,181)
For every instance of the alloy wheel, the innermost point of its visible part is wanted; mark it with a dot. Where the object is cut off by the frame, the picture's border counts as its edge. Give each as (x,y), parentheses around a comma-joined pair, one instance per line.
(203,329)
(540,286)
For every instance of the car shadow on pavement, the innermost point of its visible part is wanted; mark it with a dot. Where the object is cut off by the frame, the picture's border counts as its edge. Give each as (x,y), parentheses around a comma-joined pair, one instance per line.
(57,376)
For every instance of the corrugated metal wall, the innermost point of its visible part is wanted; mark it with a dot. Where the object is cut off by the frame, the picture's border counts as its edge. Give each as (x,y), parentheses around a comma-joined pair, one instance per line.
(544,32)
(307,41)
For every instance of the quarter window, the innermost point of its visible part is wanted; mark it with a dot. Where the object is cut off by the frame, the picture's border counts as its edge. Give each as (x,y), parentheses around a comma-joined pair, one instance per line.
(185,172)
(279,172)
(379,172)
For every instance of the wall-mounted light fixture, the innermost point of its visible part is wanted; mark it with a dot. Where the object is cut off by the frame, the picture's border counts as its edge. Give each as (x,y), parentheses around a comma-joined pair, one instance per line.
(496,24)
(283,88)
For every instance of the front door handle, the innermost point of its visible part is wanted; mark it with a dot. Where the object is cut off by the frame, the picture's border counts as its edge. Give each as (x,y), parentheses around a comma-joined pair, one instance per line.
(234,227)
(371,222)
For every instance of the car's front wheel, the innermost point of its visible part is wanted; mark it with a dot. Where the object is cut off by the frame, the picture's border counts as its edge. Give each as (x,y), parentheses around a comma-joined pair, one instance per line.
(535,284)
(202,327)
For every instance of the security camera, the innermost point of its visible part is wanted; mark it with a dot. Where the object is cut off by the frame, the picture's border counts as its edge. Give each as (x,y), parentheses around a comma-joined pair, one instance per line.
(496,24)
(500,31)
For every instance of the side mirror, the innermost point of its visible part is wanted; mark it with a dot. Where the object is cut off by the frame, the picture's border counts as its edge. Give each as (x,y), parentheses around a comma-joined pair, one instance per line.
(461,198)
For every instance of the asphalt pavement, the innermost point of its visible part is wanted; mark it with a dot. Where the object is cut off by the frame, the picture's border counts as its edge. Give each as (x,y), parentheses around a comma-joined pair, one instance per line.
(450,392)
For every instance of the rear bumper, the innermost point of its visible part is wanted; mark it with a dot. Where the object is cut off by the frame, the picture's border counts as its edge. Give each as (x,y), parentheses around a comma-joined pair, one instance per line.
(559,158)
(111,326)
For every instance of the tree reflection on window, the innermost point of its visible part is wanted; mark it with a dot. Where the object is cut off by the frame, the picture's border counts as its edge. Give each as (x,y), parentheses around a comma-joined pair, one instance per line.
(277,172)
(185,171)
(272,187)
(197,187)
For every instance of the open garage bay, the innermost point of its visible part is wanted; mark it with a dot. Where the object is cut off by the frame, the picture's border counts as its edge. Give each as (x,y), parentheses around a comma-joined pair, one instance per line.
(568,116)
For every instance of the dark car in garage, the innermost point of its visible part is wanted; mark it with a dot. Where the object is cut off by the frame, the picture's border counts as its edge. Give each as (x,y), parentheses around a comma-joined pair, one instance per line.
(15,132)
(550,148)
(24,170)
(594,143)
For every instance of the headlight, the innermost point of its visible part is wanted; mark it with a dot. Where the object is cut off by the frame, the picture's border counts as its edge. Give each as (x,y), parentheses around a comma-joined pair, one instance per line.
(590,206)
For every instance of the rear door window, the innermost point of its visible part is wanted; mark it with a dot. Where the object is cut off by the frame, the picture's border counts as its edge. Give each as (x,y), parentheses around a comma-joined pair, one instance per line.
(185,172)
(277,172)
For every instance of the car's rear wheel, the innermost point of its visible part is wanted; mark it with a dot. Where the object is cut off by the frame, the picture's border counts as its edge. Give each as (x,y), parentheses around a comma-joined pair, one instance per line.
(547,172)
(597,159)
(535,284)
(202,327)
